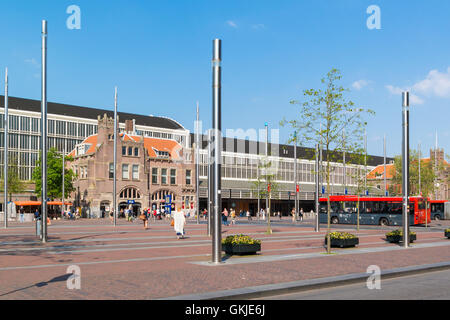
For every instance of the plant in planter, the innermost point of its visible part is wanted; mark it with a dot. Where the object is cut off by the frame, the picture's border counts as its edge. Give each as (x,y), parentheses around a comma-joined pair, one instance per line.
(396,236)
(240,244)
(447,233)
(342,239)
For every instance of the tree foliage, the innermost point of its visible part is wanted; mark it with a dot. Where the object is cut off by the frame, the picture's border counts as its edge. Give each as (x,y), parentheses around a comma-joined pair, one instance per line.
(15,185)
(322,117)
(54,176)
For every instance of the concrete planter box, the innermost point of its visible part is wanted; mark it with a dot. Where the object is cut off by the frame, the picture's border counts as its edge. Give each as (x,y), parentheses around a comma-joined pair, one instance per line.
(241,248)
(342,243)
(397,239)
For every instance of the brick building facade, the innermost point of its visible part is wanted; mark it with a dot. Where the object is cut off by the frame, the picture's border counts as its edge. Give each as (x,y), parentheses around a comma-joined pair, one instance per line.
(148,169)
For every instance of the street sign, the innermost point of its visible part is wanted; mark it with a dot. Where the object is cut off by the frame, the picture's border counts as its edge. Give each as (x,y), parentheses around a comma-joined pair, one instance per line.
(346,191)
(130,201)
(298,188)
(323,189)
(367,192)
(387,193)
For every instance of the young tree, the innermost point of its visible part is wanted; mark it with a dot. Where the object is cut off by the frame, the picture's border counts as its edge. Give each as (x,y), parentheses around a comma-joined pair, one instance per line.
(54,176)
(15,185)
(334,112)
(266,186)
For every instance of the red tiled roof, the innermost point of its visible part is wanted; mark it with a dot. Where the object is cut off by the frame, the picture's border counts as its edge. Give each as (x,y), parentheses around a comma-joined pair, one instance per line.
(150,144)
(378,172)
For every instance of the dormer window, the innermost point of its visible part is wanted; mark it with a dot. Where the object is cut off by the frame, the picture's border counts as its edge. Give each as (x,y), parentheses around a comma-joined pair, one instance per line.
(161,154)
(82,148)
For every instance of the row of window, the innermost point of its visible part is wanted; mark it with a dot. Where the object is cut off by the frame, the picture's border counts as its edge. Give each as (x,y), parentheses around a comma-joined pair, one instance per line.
(33,142)
(130,151)
(163,177)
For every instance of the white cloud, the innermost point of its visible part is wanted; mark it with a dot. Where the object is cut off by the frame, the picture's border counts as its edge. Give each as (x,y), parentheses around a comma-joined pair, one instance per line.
(232,24)
(414,99)
(33,62)
(436,83)
(258,26)
(358,85)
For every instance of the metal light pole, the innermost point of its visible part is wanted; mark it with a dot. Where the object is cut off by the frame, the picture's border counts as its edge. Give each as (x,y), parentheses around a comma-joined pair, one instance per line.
(385,173)
(116,131)
(265,169)
(317,226)
(345,171)
(420,190)
(5,155)
(217,127)
(210,184)
(259,196)
(405,168)
(197,167)
(63,174)
(365,162)
(295,174)
(44,131)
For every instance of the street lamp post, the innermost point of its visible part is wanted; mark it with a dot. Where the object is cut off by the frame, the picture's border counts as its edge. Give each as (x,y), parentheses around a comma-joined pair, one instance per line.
(116,131)
(265,169)
(405,168)
(217,127)
(295,175)
(210,184)
(317,226)
(385,173)
(197,167)
(63,174)
(5,155)
(44,131)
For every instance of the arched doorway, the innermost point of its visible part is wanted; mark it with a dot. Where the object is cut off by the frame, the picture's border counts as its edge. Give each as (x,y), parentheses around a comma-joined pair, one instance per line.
(130,198)
(159,198)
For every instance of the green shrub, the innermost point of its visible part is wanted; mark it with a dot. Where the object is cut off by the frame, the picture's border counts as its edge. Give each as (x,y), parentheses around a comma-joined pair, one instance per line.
(341,235)
(399,232)
(240,239)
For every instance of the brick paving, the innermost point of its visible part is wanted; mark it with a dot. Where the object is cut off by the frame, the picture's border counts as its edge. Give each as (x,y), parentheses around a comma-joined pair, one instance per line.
(127,262)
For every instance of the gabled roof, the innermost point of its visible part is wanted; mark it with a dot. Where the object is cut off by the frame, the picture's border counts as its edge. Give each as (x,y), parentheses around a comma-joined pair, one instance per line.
(150,144)
(378,172)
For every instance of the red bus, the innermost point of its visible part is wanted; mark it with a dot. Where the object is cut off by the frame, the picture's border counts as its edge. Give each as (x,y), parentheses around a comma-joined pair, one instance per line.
(383,211)
(437,209)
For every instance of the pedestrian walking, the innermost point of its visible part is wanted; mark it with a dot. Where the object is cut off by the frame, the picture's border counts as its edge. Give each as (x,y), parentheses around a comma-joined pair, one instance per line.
(301,214)
(249,217)
(21,214)
(233,216)
(179,221)
(293,214)
(144,218)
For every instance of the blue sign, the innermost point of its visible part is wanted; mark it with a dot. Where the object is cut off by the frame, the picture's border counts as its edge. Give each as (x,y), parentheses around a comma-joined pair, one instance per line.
(387,193)
(367,192)
(323,189)
(130,202)
(346,191)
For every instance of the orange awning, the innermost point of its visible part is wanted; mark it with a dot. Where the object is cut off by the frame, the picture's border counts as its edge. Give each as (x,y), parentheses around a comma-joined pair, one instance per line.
(38,203)
(59,203)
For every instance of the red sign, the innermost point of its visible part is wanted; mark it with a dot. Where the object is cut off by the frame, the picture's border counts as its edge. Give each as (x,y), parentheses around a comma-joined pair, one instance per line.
(268,187)
(298,189)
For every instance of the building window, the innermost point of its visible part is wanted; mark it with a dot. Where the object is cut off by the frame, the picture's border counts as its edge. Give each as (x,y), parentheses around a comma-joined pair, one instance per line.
(125,173)
(173,176)
(135,171)
(188,177)
(136,152)
(130,151)
(154,175)
(111,170)
(163,176)
(124,151)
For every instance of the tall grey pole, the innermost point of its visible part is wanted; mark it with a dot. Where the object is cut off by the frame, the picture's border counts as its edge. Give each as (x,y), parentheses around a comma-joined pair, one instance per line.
(343,160)
(385,173)
(259,196)
(63,174)
(317,226)
(435,169)
(265,169)
(420,190)
(295,175)
(5,155)
(210,184)
(197,167)
(217,152)
(116,132)
(365,162)
(405,168)
(44,131)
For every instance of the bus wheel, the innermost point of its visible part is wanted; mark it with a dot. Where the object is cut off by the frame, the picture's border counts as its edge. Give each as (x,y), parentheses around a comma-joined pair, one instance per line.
(384,222)
(437,217)
(334,220)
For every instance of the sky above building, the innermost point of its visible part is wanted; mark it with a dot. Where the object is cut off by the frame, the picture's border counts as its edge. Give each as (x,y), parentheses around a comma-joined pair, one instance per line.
(159,53)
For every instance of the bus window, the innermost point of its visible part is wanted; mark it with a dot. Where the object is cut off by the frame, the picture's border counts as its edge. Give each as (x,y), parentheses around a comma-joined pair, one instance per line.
(411,208)
(323,207)
(350,207)
(421,205)
(368,207)
(395,208)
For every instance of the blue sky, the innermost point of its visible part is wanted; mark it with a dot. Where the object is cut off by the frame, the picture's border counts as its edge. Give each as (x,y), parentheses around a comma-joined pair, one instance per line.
(159,55)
